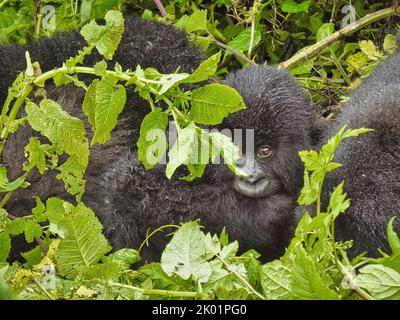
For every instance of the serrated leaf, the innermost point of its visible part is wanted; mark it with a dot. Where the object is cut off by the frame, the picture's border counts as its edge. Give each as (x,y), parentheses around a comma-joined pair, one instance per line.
(213,102)
(67,133)
(370,50)
(309,282)
(185,254)
(36,155)
(276,281)
(84,244)
(103,103)
(105,38)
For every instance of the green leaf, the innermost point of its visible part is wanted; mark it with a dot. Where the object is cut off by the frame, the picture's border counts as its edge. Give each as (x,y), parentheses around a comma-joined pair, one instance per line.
(213,102)
(242,41)
(276,280)
(309,281)
(292,7)
(6,186)
(382,283)
(124,257)
(370,50)
(67,133)
(182,149)
(205,70)
(224,146)
(5,246)
(152,143)
(84,244)
(33,257)
(103,103)
(185,254)
(32,230)
(393,239)
(325,31)
(105,38)
(16,226)
(36,155)
(197,21)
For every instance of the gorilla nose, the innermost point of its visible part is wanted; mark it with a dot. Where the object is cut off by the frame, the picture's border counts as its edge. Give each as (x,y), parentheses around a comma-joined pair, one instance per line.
(254,176)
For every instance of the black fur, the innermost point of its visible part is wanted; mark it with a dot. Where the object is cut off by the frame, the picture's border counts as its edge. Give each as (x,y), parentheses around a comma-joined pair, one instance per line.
(130,200)
(371,168)
(146,43)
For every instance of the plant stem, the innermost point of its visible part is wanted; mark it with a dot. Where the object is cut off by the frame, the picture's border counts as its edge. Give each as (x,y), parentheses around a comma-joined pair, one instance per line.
(248,285)
(43,289)
(235,52)
(161,8)
(359,291)
(354,27)
(3,3)
(164,293)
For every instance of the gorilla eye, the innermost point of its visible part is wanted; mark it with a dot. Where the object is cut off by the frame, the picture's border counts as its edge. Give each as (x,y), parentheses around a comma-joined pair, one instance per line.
(264,152)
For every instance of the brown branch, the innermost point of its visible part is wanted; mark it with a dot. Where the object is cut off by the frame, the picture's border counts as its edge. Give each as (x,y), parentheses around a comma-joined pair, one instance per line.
(354,27)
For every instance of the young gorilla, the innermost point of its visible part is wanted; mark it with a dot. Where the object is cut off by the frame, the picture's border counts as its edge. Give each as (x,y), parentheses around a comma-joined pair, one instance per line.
(129,200)
(371,162)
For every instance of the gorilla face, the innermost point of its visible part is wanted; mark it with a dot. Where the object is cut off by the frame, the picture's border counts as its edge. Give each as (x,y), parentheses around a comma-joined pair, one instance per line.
(257,183)
(280,117)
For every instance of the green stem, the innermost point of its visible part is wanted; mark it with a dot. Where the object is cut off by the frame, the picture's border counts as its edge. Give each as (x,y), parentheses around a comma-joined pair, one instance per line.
(358,290)
(43,289)
(163,293)
(154,232)
(10,193)
(248,285)
(3,3)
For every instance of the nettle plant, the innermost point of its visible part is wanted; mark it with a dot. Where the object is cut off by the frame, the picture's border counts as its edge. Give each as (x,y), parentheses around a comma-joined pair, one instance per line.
(72,259)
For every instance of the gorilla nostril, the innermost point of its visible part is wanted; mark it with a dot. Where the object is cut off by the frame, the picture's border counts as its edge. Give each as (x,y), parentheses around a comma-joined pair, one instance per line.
(254,177)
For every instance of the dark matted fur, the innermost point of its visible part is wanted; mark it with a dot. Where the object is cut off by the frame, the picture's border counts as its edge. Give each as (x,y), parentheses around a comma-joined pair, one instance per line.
(371,169)
(130,200)
(149,44)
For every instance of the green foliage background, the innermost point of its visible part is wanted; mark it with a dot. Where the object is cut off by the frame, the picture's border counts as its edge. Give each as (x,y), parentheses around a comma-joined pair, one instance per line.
(76,262)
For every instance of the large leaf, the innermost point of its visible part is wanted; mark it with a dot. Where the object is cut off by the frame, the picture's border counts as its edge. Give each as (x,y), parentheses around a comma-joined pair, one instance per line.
(185,254)
(83,245)
(213,102)
(382,283)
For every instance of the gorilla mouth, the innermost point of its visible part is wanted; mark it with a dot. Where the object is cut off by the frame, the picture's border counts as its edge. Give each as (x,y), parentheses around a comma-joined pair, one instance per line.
(252,190)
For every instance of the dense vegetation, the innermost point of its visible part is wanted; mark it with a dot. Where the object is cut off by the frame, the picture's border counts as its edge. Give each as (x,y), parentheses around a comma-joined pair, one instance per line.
(72,259)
